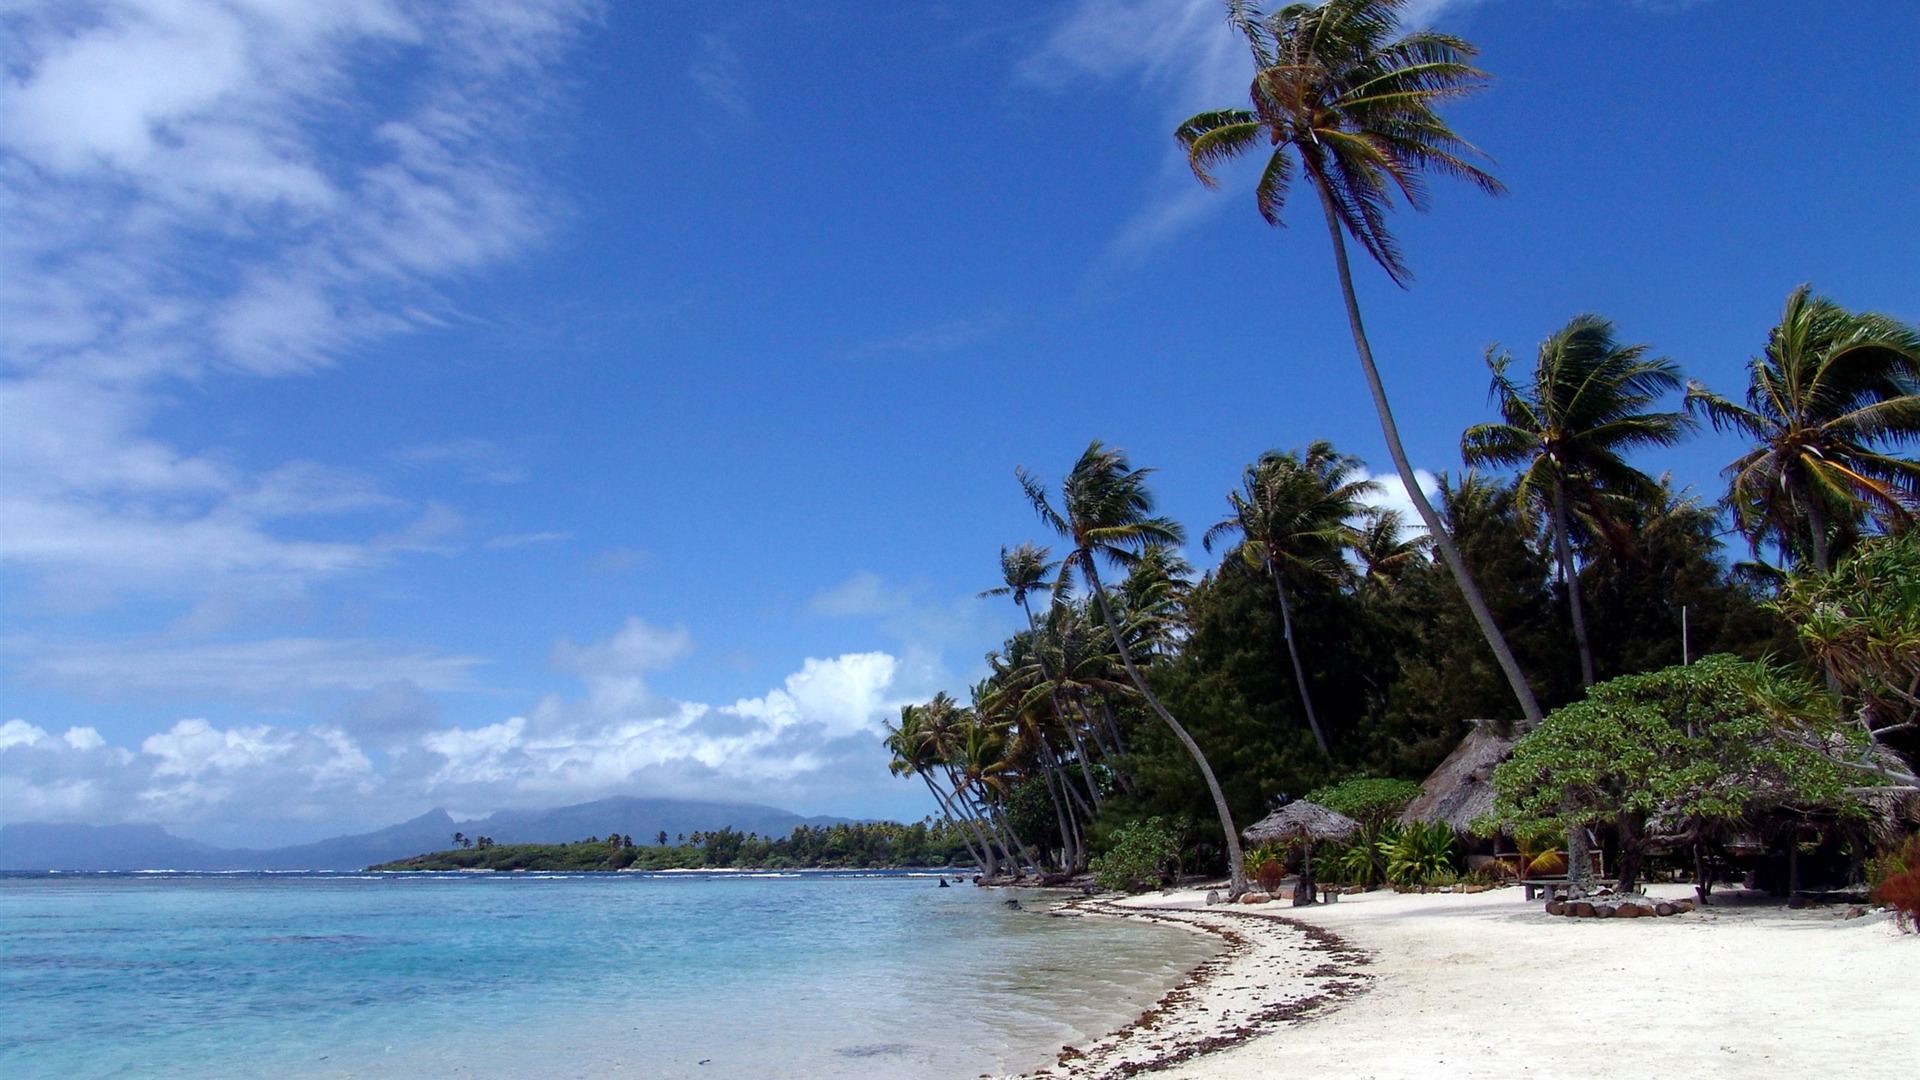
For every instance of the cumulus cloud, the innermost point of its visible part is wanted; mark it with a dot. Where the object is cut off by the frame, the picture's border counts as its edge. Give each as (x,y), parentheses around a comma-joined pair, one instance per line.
(813,736)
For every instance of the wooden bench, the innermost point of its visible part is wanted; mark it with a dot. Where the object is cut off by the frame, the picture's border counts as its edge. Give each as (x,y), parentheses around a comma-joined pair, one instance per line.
(1330,894)
(1555,886)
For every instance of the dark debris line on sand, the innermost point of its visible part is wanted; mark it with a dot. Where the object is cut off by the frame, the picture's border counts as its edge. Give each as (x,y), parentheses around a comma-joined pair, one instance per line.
(1318,971)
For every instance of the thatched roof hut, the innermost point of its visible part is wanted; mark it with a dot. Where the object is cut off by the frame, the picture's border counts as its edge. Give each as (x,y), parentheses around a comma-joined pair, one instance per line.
(1300,820)
(1460,791)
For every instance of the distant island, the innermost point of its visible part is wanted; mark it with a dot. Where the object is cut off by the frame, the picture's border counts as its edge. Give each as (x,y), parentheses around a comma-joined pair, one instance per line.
(880,845)
(43,846)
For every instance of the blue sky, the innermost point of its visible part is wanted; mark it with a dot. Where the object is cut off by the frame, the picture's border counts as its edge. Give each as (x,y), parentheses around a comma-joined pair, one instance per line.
(512,404)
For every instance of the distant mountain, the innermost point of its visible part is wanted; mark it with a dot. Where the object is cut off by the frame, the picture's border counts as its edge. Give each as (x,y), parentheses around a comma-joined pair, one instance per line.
(430,831)
(36,846)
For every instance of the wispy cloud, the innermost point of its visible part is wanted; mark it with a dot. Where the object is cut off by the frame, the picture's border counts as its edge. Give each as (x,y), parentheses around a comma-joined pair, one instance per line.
(941,338)
(717,73)
(203,187)
(275,672)
(478,461)
(519,540)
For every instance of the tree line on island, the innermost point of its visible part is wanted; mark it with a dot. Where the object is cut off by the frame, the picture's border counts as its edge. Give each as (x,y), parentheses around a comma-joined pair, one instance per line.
(860,845)
(1555,582)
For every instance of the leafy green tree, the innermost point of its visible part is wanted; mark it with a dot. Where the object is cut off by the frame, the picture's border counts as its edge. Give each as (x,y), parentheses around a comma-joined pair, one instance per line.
(1291,514)
(1107,512)
(1139,856)
(1568,431)
(1691,747)
(1338,98)
(1832,392)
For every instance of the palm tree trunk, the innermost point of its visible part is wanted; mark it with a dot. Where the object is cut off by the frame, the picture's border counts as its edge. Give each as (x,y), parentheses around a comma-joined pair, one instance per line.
(1441,538)
(1563,551)
(1236,863)
(1299,669)
(982,825)
(984,859)
(1817,525)
(1059,711)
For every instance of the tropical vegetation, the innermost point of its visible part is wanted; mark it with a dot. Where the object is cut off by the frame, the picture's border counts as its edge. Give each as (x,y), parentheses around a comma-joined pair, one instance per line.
(1560,585)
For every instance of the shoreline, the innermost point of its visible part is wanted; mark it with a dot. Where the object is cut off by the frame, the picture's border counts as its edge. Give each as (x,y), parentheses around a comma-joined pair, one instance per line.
(1487,985)
(1271,972)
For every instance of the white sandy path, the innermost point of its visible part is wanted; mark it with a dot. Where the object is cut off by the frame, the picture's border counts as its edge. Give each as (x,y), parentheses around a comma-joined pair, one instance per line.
(1483,986)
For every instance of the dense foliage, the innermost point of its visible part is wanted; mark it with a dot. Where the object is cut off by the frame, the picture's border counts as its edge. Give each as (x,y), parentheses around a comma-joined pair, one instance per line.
(859,845)
(1679,752)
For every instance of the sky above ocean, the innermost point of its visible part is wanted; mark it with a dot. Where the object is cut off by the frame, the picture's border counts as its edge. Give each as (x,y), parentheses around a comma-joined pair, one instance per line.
(517,403)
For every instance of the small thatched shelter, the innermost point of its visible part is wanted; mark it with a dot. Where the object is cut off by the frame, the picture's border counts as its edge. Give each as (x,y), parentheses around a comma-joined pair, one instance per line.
(1301,822)
(1460,791)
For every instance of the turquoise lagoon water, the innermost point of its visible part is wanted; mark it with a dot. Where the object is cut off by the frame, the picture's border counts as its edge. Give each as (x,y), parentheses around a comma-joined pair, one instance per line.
(540,976)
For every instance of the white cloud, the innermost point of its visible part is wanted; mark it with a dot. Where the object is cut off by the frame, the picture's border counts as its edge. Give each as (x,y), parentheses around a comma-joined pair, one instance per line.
(815,734)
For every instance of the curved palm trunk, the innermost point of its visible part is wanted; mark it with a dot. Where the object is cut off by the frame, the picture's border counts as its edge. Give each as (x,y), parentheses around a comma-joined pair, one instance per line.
(1441,538)
(1060,809)
(1563,551)
(985,860)
(1236,863)
(1299,669)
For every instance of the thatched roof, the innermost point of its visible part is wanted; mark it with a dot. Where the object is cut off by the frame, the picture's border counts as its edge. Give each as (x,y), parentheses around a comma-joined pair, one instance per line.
(1461,789)
(1300,819)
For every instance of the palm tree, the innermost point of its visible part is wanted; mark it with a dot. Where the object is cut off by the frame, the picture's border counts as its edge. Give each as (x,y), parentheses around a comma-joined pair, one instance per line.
(1831,392)
(1341,100)
(1107,512)
(1025,570)
(1383,549)
(1588,404)
(1291,514)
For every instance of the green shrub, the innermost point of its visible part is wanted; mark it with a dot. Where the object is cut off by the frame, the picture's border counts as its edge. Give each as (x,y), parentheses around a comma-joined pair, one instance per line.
(1374,803)
(1422,854)
(1138,858)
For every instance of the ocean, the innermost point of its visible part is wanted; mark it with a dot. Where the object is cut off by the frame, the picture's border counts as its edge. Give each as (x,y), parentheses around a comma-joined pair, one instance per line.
(537,976)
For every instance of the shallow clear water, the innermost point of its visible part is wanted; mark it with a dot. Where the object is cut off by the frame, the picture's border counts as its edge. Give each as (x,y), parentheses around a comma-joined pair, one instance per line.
(524,975)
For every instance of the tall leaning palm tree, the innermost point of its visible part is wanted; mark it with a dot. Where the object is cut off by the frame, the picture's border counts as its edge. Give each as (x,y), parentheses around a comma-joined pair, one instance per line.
(1569,429)
(1106,511)
(1292,513)
(1832,391)
(1343,101)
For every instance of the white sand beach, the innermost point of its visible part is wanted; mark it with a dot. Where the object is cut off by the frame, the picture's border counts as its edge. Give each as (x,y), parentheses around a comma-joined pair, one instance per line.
(1486,985)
